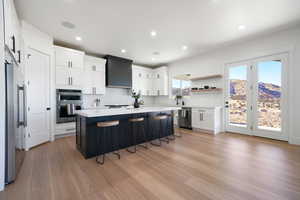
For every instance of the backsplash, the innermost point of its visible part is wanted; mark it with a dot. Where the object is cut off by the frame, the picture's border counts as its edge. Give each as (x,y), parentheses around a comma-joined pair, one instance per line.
(113,96)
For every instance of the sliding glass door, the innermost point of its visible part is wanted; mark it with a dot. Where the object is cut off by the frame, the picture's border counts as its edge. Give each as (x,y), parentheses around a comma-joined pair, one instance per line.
(256,97)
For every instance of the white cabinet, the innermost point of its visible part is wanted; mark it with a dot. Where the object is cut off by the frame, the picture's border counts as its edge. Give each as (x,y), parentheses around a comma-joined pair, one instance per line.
(207,119)
(150,82)
(69,68)
(160,81)
(94,75)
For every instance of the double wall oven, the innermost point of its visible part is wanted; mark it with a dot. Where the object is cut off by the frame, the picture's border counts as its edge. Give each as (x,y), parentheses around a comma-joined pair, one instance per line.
(68,102)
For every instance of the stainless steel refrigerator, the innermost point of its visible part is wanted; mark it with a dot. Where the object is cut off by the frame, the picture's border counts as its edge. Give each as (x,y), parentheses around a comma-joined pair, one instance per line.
(15,118)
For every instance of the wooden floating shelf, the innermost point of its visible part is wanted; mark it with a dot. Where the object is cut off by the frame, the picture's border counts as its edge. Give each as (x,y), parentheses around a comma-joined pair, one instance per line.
(208,90)
(206,77)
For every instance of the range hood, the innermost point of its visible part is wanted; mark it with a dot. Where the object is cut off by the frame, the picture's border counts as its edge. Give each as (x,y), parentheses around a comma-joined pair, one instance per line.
(118,72)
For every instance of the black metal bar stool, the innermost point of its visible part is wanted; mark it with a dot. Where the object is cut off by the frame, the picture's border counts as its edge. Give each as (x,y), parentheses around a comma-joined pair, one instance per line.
(112,125)
(160,118)
(173,137)
(137,125)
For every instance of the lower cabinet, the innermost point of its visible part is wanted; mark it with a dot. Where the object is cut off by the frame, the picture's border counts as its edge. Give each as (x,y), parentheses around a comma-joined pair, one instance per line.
(65,129)
(207,119)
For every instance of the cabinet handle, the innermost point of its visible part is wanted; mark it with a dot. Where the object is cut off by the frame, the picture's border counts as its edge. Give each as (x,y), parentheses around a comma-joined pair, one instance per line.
(19,56)
(13,44)
(71,64)
(71,80)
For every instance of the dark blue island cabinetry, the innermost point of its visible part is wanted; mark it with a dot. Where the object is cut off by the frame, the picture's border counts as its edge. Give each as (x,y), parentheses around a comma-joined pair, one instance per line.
(87,132)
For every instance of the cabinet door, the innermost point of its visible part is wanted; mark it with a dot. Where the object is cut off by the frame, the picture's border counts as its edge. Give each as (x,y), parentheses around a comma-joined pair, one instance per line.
(62,57)
(76,77)
(195,118)
(99,82)
(76,59)
(62,76)
(88,82)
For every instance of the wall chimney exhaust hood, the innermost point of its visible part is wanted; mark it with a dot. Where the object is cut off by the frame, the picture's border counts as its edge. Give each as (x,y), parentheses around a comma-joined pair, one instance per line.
(118,72)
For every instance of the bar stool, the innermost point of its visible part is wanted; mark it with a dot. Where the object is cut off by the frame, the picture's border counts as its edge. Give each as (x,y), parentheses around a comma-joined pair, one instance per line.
(160,129)
(173,137)
(139,123)
(112,125)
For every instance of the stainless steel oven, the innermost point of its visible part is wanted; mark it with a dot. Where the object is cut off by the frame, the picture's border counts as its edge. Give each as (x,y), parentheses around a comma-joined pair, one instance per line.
(68,102)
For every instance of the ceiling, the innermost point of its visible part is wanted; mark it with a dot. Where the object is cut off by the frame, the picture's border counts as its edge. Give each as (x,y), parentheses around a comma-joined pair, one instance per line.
(107,27)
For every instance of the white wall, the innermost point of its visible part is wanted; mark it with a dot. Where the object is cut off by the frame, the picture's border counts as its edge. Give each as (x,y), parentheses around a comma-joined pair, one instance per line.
(2,101)
(40,41)
(114,96)
(213,63)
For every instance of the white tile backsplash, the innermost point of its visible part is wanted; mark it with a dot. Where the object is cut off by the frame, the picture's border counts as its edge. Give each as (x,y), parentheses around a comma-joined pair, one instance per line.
(113,96)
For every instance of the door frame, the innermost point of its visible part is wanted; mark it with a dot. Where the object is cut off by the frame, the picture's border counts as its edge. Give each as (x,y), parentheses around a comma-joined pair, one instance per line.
(287,113)
(28,48)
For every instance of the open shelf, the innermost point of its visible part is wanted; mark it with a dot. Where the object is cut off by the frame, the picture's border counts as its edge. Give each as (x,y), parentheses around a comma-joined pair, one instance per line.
(215,76)
(207,90)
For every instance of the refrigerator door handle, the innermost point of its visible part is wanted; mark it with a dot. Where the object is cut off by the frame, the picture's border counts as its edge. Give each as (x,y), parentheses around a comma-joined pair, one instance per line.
(25,105)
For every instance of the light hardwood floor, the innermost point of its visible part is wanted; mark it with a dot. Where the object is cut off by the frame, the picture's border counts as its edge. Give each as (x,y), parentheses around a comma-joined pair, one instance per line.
(196,166)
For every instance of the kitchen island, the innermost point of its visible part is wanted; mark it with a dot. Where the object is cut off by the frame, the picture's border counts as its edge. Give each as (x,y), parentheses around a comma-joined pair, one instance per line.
(87,131)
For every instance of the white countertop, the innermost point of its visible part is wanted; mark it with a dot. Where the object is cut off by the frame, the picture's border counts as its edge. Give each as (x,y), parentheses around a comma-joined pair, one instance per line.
(123,111)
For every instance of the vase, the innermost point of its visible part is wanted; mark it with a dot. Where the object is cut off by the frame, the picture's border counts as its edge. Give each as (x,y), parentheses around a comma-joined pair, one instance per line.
(136,103)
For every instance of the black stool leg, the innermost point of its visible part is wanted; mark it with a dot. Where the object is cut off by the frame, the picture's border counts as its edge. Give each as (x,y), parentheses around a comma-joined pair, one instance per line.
(159,136)
(165,139)
(171,137)
(116,140)
(133,138)
(101,162)
(145,145)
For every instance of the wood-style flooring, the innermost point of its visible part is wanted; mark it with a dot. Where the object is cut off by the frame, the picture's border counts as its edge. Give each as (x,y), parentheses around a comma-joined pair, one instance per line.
(196,166)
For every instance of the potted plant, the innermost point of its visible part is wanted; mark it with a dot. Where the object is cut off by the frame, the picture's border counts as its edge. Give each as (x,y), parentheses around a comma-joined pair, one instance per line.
(136,96)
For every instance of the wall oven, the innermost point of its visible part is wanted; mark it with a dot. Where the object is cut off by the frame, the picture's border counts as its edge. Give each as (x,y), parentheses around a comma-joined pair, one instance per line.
(68,102)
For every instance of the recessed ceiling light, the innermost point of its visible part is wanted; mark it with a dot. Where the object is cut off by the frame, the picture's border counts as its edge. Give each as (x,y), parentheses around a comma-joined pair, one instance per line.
(78,38)
(184,47)
(67,24)
(242,27)
(123,50)
(153,33)
(153,59)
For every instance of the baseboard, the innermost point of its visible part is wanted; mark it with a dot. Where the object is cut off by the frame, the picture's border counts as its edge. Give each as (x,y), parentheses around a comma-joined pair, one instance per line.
(203,130)
(294,140)
(64,135)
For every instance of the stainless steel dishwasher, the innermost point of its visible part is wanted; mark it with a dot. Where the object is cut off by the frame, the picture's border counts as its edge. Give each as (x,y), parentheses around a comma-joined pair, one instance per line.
(185,118)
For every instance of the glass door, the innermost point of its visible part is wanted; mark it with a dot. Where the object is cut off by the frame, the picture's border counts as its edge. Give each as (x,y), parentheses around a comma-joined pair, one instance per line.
(269,95)
(255,99)
(238,98)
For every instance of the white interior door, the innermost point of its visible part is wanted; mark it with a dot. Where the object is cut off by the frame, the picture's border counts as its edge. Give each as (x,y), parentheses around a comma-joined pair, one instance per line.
(256,98)
(38,98)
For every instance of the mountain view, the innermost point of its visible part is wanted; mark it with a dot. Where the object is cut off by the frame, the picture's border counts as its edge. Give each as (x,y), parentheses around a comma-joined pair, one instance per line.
(268,104)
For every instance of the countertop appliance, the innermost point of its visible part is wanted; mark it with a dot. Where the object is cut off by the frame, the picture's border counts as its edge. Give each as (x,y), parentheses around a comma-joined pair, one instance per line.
(118,72)
(16,119)
(68,102)
(185,118)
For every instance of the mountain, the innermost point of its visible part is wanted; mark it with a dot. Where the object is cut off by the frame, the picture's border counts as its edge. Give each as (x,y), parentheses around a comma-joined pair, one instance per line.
(267,91)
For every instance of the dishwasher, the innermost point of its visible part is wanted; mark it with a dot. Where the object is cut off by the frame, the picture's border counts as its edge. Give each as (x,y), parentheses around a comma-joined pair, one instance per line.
(185,118)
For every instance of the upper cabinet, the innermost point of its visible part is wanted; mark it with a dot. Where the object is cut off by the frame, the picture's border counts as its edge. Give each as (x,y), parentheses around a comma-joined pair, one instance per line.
(94,75)
(12,29)
(150,82)
(69,58)
(69,68)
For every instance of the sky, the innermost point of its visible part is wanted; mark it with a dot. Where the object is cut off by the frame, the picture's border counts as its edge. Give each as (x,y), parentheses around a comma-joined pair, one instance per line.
(268,72)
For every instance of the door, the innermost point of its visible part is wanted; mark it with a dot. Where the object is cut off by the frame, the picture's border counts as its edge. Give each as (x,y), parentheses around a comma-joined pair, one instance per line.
(256,97)
(38,98)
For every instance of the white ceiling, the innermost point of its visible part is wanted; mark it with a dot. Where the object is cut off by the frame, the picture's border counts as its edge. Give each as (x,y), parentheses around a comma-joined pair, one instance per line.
(107,26)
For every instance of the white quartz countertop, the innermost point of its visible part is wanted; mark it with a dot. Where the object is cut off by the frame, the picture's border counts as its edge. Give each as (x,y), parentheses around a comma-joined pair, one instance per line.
(123,111)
